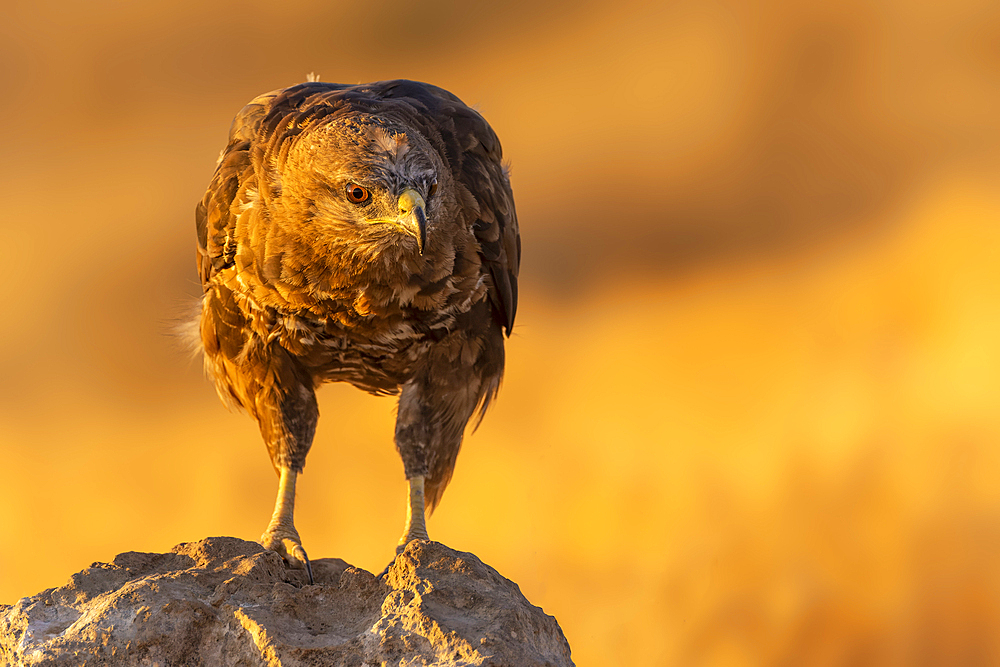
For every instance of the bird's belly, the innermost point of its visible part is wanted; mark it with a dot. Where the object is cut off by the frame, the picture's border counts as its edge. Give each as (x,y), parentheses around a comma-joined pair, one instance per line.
(375,355)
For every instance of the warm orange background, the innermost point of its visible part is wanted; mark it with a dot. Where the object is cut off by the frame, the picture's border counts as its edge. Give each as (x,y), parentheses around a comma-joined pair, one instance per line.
(752,409)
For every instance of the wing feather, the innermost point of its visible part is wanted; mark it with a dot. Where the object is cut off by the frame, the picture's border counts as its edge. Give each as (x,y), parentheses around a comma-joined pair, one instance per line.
(476,158)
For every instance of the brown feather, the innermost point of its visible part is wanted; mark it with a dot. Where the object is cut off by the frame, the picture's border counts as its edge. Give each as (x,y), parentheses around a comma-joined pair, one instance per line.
(300,289)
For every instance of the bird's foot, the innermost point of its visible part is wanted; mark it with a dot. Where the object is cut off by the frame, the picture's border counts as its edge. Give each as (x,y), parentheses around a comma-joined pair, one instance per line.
(285,541)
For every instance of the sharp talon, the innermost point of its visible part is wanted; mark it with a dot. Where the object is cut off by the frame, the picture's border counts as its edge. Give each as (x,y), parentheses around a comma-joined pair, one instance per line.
(300,555)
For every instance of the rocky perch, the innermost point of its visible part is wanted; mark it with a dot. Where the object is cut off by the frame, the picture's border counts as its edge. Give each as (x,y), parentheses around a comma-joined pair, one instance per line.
(224,601)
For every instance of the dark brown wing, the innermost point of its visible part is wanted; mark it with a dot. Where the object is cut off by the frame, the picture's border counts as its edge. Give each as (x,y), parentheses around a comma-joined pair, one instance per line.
(474,154)
(213,217)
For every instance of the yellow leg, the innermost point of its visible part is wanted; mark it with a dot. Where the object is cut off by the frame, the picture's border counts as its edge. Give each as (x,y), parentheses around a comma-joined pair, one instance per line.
(281,535)
(416,525)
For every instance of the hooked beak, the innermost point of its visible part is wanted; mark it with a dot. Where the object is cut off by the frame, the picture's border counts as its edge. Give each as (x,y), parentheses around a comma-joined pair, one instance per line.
(412,217)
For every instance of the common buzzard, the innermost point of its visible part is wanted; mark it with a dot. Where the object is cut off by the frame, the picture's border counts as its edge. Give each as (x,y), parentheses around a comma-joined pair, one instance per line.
(362,234)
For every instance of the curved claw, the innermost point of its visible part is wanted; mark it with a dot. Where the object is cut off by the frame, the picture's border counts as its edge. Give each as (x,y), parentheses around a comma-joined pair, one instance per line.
(286,543)
(300,555)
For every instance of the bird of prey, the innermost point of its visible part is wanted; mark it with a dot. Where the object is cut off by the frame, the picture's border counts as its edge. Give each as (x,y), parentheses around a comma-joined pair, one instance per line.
(362,234)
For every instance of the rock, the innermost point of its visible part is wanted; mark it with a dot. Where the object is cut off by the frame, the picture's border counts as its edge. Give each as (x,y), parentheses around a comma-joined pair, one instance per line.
(224,601)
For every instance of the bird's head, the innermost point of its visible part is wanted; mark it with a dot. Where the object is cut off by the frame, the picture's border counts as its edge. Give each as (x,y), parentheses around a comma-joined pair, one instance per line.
(368,181)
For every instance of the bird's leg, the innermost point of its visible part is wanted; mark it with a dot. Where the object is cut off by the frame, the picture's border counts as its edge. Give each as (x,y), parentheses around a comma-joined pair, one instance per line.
(281,535)
(416,525)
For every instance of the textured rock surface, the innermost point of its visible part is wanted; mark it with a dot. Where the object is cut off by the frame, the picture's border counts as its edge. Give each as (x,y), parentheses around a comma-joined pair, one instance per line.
(224,601)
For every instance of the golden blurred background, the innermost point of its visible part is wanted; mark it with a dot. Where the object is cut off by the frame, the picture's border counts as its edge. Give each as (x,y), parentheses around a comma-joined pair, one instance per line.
(752,408)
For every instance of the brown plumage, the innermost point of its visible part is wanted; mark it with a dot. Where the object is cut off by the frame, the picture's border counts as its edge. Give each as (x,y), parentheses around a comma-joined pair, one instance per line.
(363,234)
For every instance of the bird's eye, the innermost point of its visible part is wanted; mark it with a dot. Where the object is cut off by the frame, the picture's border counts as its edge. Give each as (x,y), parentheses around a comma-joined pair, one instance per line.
(357,194)
(433,189)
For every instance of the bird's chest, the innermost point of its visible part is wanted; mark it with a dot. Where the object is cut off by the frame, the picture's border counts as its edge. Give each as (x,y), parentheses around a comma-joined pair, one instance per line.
(360,325)
(372,338)
(371,330)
